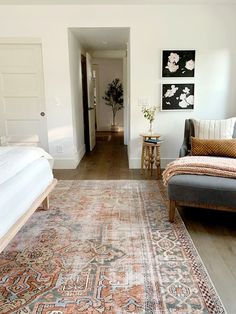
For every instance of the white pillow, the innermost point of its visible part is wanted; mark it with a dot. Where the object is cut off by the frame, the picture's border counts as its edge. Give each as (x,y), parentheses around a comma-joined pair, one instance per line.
(214,129)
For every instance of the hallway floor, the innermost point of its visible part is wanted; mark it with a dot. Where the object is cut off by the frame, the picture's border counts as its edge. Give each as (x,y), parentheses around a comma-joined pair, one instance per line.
(213,232)
(108,161)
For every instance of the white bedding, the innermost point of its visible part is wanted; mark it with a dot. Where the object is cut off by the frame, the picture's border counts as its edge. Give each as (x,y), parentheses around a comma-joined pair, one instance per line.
(15,159)
(19,192)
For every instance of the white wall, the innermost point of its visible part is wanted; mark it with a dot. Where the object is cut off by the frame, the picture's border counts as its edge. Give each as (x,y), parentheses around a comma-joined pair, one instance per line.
(208,29)
(107,70)
(76,97)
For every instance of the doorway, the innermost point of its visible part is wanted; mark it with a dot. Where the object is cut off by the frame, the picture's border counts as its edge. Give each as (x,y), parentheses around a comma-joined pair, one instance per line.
(104,57)
(85,103)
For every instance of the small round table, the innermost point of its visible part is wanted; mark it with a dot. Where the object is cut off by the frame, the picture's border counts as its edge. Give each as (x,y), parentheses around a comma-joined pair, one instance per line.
(151,154)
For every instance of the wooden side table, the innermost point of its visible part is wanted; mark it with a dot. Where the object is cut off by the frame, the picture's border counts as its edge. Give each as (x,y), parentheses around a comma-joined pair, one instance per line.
(151,154)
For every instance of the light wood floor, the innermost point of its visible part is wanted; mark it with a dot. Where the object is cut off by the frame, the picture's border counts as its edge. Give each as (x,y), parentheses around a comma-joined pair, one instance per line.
(213,232)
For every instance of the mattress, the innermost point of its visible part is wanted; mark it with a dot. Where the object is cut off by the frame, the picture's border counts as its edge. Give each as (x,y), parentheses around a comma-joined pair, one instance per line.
(14,159)
(19,192)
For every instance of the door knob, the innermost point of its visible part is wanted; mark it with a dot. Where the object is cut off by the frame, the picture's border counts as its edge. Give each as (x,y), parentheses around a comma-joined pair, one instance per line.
(42,114)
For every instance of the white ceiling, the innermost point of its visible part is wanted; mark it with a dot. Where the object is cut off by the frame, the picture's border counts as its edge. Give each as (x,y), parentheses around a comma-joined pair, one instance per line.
(100,38)
(116,2)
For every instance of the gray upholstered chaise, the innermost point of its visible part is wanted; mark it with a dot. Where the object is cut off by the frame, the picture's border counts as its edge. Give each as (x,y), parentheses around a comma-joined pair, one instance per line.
(199,190)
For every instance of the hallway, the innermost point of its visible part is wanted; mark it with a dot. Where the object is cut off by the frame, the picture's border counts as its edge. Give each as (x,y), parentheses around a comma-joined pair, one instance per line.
(108,161)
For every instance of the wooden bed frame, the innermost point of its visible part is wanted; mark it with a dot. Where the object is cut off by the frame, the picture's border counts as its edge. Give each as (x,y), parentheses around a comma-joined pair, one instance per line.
(42,199)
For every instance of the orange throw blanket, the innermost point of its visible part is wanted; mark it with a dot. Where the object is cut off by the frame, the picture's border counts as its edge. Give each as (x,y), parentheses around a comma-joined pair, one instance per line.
(202,165)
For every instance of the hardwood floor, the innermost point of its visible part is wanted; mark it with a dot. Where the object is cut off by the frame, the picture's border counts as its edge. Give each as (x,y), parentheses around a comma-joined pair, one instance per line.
(108,161)
(213,232)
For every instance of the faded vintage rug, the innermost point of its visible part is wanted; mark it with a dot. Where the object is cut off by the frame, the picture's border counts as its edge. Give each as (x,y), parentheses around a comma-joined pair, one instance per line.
(105,247)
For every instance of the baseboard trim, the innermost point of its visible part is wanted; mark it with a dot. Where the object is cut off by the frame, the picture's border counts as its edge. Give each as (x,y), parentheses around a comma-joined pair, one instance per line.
(135,163)
(69,163)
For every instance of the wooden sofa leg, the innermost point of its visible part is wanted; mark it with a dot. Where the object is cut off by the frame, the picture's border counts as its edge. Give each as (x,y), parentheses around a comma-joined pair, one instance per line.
(172,206)
(45,203)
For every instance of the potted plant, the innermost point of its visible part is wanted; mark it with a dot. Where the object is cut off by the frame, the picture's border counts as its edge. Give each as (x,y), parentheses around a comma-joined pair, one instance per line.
(149,113)
(114,98)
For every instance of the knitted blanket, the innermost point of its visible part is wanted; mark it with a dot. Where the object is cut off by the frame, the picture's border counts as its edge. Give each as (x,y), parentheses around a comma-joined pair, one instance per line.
(201,165)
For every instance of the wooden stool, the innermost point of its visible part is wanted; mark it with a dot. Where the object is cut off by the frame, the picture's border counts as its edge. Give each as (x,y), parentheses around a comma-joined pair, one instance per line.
(151,154)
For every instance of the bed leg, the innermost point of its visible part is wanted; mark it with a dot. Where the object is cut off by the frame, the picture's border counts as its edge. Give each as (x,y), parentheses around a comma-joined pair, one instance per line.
(45,203)
(172,206)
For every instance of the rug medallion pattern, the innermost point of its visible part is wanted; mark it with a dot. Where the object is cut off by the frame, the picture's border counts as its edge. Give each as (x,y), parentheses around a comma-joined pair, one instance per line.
(104,247)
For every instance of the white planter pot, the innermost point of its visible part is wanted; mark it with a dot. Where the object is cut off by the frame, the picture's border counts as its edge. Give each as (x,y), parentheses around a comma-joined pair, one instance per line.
(114,128)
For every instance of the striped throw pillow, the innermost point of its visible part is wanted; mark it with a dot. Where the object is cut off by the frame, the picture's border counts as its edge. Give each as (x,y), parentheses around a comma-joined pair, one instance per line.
(214,129)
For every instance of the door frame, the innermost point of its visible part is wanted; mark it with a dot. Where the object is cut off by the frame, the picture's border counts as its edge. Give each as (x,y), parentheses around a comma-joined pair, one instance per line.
(96,69)
(85,102)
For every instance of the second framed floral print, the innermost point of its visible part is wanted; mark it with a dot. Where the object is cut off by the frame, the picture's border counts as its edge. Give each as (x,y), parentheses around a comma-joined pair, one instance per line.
(177,97)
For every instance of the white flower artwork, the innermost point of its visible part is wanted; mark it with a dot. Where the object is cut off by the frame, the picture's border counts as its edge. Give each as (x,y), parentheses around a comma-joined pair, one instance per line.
(190,65)
(177,97)
(178,63)
(172,67)
(170,92)
(173,57)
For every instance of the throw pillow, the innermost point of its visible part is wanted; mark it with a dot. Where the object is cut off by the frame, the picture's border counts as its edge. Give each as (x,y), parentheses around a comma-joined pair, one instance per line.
(220,148)
(214,129)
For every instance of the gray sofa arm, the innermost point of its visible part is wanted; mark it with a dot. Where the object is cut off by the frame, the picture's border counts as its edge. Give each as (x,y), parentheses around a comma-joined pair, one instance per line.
(188,132)
(183,150)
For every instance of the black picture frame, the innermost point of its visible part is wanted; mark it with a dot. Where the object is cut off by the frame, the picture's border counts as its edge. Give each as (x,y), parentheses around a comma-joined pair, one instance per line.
(177,97)
(178,63)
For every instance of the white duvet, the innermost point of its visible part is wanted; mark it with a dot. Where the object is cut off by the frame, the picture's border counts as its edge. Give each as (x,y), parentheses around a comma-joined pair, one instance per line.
(18,193)
(15,159)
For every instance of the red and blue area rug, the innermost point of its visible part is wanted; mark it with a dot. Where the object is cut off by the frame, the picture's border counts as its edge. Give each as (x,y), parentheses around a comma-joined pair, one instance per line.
(105,247)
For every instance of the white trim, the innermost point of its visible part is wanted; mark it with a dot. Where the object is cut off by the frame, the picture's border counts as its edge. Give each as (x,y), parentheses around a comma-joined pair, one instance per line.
(81,153)
(69,163)
(20,40)
(135,163)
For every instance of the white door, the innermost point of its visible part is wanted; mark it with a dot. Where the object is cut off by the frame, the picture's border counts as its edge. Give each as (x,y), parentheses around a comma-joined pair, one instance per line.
(91,107)
(22,107)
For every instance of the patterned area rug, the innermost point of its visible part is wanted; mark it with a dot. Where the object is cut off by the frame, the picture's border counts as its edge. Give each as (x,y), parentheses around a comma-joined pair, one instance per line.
(105,247)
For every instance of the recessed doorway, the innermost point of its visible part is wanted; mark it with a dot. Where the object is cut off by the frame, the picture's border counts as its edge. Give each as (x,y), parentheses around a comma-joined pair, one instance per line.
(104,60)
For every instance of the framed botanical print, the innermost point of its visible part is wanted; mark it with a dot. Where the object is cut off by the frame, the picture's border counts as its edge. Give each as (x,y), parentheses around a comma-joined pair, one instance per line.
(177,97)
(178,63)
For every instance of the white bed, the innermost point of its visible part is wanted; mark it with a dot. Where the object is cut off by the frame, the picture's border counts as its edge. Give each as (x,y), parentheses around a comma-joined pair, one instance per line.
(26,179)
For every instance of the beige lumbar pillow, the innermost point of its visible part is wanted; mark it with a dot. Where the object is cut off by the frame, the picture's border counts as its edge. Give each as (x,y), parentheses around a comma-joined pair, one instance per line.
(214,129)
(220,148)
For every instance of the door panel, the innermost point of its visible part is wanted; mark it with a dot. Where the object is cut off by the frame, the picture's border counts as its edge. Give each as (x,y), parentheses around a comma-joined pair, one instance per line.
(91,108)
(19,105)
(23,132)
(17,55)
(22,95)
(19,84)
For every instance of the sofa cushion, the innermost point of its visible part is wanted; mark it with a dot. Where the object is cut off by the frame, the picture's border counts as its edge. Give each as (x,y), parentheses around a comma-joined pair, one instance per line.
(214,129)
(207,147)
(203,190)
